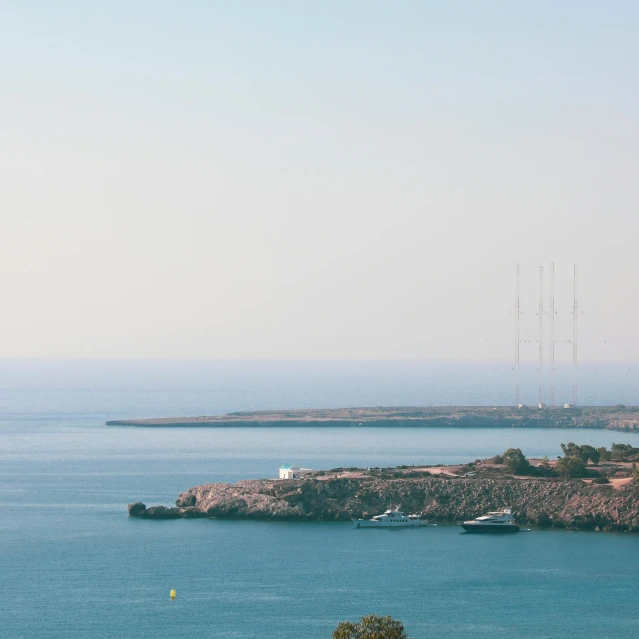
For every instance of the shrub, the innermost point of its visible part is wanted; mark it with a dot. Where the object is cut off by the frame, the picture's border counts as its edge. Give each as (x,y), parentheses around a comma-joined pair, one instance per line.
(416,473)
(542,471)
(370,627)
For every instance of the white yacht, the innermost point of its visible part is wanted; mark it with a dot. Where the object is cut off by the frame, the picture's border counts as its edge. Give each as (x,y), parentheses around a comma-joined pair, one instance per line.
(500,521)
(392,518)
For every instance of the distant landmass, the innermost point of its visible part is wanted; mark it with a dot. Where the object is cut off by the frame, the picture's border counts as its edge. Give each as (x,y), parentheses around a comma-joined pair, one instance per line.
(619,417)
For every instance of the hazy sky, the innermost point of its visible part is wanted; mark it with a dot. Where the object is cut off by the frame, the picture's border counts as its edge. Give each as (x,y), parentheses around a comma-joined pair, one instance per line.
(345,179)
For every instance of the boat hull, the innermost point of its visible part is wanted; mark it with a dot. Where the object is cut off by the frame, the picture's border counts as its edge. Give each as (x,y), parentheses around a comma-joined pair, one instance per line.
(490,530)
(368,523)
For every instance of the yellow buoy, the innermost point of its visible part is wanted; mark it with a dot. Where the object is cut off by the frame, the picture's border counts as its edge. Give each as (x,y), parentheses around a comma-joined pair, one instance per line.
(172,595)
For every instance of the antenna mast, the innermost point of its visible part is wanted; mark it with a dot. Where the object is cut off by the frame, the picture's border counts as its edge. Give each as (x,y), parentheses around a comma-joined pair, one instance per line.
(517,335)
(552,334)
(541,336)
(575,353)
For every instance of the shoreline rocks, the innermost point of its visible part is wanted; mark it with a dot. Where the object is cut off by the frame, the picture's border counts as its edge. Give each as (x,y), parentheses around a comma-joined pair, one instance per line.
(544,503)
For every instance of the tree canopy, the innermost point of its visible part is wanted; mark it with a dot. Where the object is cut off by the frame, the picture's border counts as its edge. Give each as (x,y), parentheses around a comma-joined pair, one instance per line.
(515,461)
(571,466)
(623,451)
(370,627)
(584,452)
(573,463)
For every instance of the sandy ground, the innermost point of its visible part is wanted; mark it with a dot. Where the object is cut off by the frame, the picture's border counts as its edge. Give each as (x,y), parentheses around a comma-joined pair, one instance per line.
(453,471)
(458,471)
(617,484)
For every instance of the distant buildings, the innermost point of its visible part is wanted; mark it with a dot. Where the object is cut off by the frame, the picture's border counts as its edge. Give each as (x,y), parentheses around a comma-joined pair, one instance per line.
(289,471)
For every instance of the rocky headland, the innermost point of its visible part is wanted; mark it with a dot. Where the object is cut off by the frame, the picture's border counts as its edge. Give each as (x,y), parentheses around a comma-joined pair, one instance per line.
(556,503)
(611,417)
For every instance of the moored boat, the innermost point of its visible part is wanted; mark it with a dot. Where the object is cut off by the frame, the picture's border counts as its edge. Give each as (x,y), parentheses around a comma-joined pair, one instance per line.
(500,521)
(392,518)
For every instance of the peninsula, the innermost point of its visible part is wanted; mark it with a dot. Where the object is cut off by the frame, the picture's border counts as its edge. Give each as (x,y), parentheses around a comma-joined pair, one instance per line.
(545,494)
(611,417)
(444,494)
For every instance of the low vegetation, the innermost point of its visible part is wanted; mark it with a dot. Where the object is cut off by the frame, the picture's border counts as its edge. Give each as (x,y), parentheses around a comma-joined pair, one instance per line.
(619,452)
(578,461)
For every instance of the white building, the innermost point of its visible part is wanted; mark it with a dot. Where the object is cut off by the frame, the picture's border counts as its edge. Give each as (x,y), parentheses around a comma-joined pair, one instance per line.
(288,471)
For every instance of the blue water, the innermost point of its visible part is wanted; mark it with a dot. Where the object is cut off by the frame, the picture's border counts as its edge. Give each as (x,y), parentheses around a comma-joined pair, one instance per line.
(72,564)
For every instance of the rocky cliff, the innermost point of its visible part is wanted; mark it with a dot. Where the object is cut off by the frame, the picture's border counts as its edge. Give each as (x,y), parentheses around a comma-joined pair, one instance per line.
(558,503)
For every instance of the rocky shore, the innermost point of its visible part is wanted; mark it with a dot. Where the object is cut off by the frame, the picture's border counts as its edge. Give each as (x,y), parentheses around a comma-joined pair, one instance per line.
(570,504)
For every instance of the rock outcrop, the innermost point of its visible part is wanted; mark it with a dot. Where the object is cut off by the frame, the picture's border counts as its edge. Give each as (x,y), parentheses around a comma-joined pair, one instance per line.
(544,503)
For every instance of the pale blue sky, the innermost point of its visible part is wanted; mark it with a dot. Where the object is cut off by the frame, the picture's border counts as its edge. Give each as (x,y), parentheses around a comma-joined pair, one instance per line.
(297,179)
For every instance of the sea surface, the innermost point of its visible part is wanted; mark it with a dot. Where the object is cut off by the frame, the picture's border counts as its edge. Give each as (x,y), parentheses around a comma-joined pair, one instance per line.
(73,565)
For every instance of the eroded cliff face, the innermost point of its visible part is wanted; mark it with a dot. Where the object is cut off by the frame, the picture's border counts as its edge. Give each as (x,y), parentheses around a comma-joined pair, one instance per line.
(569,504)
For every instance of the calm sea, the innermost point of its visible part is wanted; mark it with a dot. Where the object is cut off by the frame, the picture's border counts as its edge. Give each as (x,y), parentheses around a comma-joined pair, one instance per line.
(73,565)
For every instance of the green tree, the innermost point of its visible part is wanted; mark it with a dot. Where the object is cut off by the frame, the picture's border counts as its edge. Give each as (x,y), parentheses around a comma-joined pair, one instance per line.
(570,449)
(589,453)
(515,461)
(622,451)
(571,466)
(604,453)
(370,627)
(584,452)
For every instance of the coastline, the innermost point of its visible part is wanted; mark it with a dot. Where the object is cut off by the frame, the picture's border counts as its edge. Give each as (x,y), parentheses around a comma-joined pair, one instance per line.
(605,417)
(439,495)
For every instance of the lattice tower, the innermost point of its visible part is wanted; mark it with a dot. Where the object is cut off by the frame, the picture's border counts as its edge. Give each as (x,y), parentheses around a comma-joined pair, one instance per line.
(551,330)
(540,315)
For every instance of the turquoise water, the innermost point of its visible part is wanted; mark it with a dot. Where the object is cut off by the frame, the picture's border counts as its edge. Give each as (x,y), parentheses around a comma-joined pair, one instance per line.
(102,575)
(73,565)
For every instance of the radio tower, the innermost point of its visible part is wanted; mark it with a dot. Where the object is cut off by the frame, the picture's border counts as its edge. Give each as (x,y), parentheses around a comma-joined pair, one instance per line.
(552,334)
(540,314)
(517,335)
(575,353)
